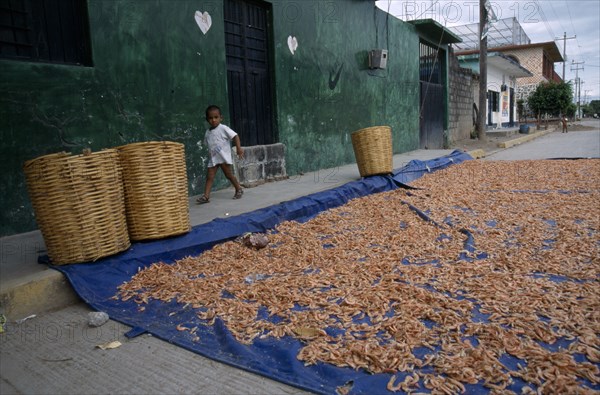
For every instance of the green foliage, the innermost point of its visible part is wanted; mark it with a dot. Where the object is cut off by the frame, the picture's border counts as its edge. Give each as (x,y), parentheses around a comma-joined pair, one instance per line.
(570,111)
(592,108)
(551,98)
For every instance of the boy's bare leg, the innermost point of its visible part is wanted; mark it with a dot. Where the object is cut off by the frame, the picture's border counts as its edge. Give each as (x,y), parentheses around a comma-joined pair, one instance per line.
(210,178)
(229,174)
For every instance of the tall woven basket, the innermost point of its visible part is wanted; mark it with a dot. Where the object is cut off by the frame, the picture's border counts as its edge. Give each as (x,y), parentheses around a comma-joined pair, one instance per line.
(156,193)
(373,150)
(79,205)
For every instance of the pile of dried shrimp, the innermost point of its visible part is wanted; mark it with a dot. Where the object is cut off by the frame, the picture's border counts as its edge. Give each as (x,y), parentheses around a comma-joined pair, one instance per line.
(370,284)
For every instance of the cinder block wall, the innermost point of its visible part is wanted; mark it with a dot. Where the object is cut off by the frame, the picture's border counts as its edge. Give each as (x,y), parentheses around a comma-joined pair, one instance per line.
(460,108)
(261,163)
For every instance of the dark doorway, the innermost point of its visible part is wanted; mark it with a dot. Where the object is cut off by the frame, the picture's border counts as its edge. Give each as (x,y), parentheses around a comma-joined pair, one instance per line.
(490,99)
(247,39)
(511,108)
(431,124)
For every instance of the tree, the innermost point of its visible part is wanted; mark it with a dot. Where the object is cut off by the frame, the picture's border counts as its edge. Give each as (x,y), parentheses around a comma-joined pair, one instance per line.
(594,107)
(591,108)
(536,102)
(550,98)
(570,111)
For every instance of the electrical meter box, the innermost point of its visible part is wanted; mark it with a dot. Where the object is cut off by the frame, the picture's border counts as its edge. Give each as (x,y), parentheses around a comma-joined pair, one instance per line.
(378,58)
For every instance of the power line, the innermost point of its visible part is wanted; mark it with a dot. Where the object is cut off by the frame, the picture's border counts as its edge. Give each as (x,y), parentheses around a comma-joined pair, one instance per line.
(543,16)
(573,27)
(565,38)
(578,83)
(431,7)
(557,18)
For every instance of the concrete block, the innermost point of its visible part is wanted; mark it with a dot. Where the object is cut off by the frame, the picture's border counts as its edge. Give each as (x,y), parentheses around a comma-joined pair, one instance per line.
(275,151)
(251,174)
(274,169)
(261,163)
(255,153)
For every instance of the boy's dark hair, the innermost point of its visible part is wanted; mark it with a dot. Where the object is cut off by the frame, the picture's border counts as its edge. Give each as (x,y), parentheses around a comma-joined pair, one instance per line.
(211,108)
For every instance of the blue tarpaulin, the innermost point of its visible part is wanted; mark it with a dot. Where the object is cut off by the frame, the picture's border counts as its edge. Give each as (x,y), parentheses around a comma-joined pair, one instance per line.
(97,284)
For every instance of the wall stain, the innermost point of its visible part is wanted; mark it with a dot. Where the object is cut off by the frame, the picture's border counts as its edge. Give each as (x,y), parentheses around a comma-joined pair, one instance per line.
(334,81)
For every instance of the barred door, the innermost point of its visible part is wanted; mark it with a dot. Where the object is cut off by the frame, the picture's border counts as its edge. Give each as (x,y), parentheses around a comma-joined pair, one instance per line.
(248,70)
(431,123)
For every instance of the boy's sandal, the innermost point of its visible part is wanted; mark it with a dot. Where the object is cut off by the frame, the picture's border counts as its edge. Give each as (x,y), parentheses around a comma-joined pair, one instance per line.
(202,199)
(238,194)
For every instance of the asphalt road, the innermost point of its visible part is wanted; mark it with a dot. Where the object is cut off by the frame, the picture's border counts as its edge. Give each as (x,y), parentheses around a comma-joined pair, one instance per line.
(584,144)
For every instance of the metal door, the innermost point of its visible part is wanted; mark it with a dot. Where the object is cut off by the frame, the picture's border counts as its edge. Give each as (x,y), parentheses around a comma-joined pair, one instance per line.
(248,72)
(432,115)
(431,123)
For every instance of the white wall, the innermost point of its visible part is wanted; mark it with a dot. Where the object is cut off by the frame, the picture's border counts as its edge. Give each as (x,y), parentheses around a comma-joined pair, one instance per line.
(495,79)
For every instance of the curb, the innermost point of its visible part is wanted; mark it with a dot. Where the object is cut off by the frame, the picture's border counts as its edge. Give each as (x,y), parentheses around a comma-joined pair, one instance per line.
(524,139)
(480,153)
(477,153)
(45,291)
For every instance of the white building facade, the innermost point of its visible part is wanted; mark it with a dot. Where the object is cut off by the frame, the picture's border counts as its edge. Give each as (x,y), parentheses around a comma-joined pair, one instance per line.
(502,75)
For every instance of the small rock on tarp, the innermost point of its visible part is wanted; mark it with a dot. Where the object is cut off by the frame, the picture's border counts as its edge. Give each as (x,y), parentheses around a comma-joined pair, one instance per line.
(254,240)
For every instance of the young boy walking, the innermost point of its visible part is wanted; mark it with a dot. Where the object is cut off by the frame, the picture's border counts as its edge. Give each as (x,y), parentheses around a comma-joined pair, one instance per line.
(218,139)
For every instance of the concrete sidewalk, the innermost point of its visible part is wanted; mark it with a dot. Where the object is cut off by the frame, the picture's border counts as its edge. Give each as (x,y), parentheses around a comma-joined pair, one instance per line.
(27,287)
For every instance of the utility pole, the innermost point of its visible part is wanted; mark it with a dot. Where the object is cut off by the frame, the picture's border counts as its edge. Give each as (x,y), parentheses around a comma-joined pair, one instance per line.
(579,98)
(565,38)
(481,114)
(578,84)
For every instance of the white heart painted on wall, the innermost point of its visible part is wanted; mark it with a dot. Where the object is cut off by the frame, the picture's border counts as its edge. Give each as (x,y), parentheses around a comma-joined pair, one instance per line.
(292,44)
(203,20)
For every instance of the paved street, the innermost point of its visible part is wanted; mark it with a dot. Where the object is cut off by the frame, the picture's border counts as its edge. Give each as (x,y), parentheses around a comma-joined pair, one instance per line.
(56,352)
(585,144)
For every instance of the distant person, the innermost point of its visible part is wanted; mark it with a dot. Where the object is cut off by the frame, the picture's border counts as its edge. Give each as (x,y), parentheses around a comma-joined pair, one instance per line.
(564,125)
(218,139)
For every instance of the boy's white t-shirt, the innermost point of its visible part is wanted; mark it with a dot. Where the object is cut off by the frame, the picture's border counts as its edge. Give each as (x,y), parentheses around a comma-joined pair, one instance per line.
(219,144)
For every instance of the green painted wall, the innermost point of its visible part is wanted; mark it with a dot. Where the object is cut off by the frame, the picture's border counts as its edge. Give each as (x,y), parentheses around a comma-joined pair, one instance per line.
(154,73)
(315,122)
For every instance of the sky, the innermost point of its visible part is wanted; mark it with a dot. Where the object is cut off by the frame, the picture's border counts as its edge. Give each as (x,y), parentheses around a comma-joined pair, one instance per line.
(542,21)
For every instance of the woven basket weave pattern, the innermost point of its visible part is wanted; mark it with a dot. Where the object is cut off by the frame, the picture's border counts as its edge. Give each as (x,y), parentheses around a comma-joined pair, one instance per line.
(79,205)
(373,150)
(156,194)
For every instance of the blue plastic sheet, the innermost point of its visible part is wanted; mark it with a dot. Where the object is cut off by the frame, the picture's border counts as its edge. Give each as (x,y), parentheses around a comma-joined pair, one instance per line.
(97,284)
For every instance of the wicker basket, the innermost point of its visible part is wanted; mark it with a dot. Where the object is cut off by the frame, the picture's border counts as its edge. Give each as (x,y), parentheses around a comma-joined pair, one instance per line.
(373,150)
(79,205)
(156,193)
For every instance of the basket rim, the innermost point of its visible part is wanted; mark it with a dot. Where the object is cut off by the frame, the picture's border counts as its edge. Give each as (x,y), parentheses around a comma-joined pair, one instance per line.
(381,127)
(67,156)
(147,143)
(53,156)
